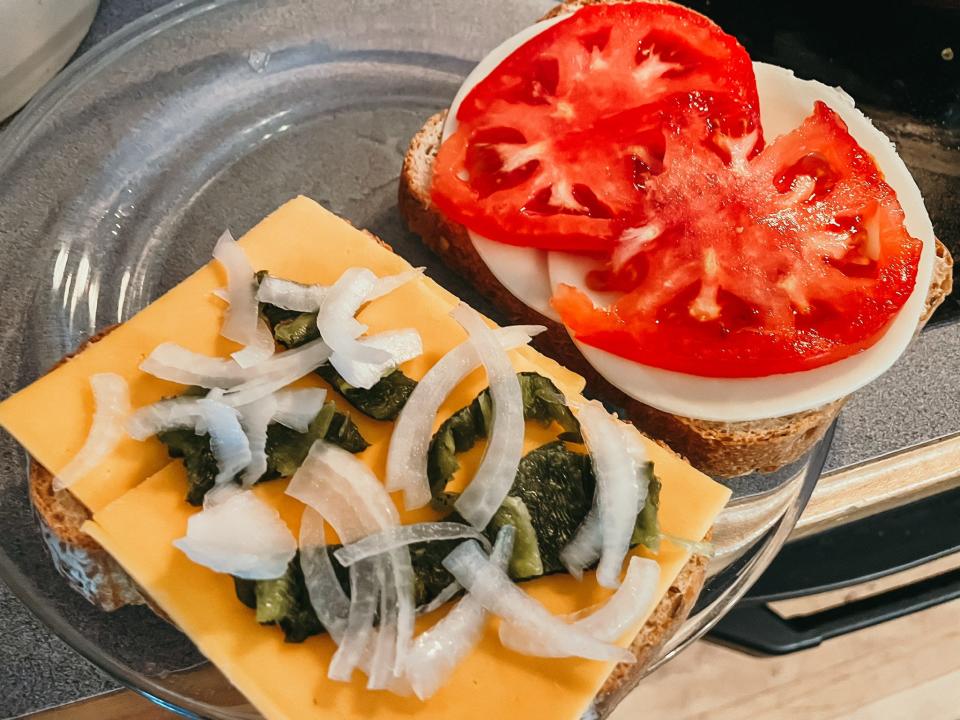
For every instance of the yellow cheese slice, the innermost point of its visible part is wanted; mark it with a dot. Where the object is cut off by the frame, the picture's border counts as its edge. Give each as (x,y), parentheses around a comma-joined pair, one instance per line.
(137,521)
(288,681)
(300,241)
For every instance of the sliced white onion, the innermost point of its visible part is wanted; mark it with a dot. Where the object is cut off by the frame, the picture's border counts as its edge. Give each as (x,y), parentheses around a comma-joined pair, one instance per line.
(364,591)
(228,442)
(297,408)
(621,612)
(410,441)
(337,324)
(492,588)
(357,482)
(327,597)
(221,294)
(384,654)
(347,493)
(175,363)
(584,549)
(278,372)
(299,297)
(353,480)
(240,320)
(615,465)
(255,418)
(436,652)
(498,468)
(389,283)
(291,295)
(401,535)
(241,535)
(111,403)
(404,584)
(261,348)
(220,493)
(402,345)
(318,488)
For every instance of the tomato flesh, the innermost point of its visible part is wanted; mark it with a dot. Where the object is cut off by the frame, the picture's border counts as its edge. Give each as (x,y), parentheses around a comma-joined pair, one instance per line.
(786,260)
(631,132)
(535,159)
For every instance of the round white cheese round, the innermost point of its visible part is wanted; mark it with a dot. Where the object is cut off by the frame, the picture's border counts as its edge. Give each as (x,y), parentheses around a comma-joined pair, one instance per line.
(785,100)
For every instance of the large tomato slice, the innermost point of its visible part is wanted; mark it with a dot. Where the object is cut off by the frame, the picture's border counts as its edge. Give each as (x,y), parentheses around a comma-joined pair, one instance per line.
(747,264)
(533,161)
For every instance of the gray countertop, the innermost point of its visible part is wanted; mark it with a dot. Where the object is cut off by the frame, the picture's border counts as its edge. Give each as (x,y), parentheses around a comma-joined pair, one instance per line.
(914,402)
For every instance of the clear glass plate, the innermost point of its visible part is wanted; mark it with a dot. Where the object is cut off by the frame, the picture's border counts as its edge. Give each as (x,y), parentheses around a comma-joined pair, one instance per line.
(116,181)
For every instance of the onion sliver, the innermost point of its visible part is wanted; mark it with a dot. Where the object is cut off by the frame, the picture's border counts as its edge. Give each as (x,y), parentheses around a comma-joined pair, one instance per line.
(111,402)
(401,535)
(255,418)
(383,658)
(228,442)
(401,345)
(291,295)
(389,283)
(175,363)
(618,487)
(170,361)
(261,348)
(327,597)
(240,321)
(584,549)
(297,408)
(336,321)
(347,493)
(321,490)
(498,468)
(353,480)
(494,590)
(278,372)
(410,441)
(240,535)
(363,607)
(299,297)
(623,611)
(436,652)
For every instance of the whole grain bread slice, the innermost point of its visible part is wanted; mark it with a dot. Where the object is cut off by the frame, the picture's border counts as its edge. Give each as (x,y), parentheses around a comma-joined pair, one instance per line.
(89,569)
(720,449)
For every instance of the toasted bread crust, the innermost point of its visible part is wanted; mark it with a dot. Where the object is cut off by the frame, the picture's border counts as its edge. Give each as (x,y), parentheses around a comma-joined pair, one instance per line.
(721,449)
(89,569)
(664,621)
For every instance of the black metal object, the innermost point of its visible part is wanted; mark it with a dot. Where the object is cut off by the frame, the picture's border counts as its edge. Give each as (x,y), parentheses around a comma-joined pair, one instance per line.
(900,61)
(847,555)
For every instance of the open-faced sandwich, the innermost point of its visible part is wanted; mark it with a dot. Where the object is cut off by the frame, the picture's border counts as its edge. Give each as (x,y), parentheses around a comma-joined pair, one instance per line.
(357,496)
(722,249)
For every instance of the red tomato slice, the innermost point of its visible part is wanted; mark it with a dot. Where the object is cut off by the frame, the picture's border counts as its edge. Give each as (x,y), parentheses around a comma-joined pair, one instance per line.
(747,266)
(534,159)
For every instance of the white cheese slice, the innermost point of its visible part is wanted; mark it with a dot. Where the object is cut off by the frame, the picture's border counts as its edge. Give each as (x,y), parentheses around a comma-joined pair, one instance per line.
(785,100)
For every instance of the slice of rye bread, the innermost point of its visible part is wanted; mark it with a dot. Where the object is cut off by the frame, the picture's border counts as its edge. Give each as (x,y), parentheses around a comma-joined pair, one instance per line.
(720,449)
(93,572)
(89,569)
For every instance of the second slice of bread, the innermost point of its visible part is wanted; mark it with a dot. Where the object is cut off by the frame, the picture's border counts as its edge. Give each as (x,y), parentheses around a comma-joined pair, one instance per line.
(721,449)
